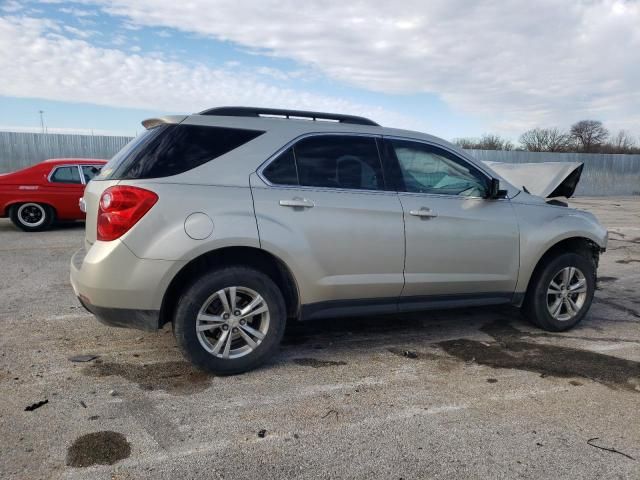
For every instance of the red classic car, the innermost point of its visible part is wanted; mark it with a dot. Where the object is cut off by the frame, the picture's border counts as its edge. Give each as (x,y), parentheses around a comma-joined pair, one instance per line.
(37,196)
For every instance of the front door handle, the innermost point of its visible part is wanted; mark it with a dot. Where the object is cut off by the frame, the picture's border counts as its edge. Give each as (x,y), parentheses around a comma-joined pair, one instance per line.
(424,212)
(297,203)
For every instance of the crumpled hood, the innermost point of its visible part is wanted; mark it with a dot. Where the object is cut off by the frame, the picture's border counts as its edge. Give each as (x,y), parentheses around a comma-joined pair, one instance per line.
(547,179)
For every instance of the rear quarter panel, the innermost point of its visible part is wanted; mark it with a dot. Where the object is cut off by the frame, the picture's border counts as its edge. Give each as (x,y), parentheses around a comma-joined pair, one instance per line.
(161,234)
(22,186)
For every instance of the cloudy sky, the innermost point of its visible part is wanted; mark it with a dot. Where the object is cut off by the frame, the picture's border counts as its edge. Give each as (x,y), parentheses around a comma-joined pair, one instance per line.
(450,67)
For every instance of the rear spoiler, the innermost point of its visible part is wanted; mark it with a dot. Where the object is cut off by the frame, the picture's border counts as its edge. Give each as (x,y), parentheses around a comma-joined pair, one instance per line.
(150,123)
(546,179)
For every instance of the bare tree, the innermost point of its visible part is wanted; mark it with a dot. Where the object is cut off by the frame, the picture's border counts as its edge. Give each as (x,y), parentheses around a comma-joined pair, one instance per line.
(534,140)
(494,142)
(486,142)
(545,140)
(589,135)
(466,143)
(622,142)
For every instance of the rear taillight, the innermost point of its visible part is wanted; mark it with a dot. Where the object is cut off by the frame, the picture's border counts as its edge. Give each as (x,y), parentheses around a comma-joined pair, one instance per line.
(120,208)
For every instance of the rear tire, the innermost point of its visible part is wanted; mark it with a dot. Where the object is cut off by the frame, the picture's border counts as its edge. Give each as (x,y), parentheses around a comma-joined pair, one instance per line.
(32,217)
(223,338)
(560,292)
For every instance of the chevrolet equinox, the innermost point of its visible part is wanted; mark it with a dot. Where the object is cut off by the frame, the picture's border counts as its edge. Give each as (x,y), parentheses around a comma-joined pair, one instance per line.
(229,222)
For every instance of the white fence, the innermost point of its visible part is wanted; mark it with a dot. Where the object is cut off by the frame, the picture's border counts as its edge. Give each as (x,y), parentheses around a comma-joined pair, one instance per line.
(603,174)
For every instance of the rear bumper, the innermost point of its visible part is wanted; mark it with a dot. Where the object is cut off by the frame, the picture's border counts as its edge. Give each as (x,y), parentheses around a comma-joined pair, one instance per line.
(124,317)
(119,288)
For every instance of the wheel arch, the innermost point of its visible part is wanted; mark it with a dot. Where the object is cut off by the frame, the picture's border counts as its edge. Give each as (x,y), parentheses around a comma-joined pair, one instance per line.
(253,257)
(584,246)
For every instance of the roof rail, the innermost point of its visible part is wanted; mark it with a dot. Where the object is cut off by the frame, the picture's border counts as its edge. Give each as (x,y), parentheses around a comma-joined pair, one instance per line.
(279,112)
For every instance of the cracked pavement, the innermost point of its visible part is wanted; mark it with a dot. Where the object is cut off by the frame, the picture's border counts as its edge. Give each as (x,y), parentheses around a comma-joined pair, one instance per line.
(472,393)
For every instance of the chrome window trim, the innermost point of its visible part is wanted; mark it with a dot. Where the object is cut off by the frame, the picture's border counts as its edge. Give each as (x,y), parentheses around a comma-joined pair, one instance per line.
(331,189)
(381,136)
(457,197)
(268,161)
(53,170)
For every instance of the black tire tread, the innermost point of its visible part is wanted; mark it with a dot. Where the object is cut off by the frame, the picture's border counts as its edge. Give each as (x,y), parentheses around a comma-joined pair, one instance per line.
(535,308)
(50,216)
(190,301)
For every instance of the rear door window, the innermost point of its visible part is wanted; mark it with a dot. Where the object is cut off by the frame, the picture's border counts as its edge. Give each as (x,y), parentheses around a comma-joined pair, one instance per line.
(339,161)
(68,174)
(173,149)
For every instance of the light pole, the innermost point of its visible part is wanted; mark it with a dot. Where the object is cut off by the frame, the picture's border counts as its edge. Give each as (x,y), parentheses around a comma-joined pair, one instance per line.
(41,119)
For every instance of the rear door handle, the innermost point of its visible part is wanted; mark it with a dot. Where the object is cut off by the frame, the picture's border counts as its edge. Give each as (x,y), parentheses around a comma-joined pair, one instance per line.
(297,203)
(424,212)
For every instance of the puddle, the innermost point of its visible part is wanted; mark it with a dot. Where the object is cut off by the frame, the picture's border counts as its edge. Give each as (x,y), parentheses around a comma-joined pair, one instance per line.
(617,306)
(607,279)
(413,354)
(580,337)
(98,448)
(315,363)
(292,340)
(178,378)
(443,363)
(510,351)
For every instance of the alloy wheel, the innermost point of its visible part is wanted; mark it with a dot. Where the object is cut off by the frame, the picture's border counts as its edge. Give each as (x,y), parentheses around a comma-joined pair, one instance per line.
(566,294)
(232,322)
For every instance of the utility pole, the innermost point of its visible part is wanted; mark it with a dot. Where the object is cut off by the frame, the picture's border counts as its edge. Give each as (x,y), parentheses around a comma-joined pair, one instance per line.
(41,119)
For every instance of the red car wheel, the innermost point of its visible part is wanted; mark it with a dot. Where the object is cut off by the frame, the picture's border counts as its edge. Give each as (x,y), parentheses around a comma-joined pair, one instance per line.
(32,217)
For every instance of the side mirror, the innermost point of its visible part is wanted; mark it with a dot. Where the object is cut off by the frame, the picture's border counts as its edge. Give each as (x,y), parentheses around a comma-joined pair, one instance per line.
(494,190)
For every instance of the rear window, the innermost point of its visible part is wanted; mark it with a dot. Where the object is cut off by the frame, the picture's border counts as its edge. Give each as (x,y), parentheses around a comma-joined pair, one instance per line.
(172,149)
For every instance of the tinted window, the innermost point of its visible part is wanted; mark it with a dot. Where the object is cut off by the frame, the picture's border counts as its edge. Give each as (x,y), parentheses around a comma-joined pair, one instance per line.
(66,175)
(339,161)
(90,171)
(282,171)
(173,149)
(429,169)
(126,152)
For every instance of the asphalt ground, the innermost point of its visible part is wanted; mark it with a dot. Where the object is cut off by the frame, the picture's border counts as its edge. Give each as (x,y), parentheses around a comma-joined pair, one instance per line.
(473,393)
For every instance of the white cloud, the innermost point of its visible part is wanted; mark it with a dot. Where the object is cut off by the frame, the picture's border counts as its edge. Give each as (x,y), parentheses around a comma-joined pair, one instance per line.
(11,6)
(78,12)
(515,64)
(78,32)
(38,60)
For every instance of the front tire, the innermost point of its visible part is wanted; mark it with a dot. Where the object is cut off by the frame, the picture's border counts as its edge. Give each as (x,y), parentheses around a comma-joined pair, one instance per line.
(230,320)
(32,217)
(561,292)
